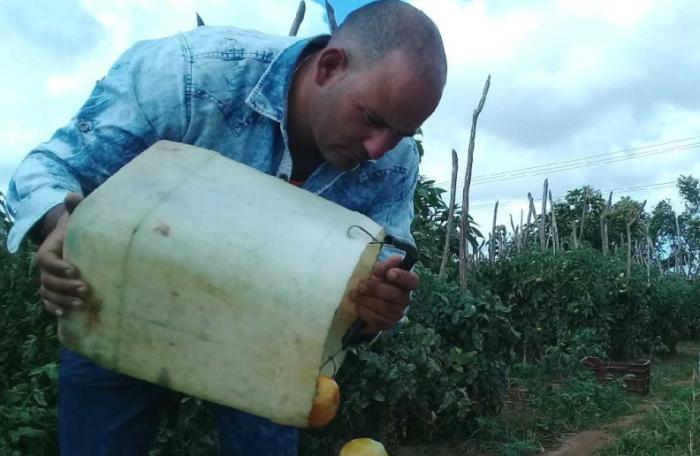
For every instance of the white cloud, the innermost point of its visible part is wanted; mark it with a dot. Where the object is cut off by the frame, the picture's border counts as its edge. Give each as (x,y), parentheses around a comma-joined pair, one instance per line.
(15,133)
(61,50)
(65,84)
(570,78)
(471,32)
(622,13)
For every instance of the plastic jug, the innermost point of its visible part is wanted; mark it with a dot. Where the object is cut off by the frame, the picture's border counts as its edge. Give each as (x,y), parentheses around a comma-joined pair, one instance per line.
(216,280)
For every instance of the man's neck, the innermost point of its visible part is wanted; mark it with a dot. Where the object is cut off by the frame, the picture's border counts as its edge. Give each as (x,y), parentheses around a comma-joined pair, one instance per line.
(305,155)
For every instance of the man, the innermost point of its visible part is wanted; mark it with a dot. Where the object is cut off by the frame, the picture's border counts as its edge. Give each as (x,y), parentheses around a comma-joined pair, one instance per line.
(333,115)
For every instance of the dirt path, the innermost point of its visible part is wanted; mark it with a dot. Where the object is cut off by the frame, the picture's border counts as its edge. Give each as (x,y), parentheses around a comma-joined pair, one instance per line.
(584,443)
(587,443)
(427,450)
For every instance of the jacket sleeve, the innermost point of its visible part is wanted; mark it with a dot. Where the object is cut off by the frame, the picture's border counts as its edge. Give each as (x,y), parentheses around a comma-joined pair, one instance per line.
(396,214)
(140,101)
(393,209)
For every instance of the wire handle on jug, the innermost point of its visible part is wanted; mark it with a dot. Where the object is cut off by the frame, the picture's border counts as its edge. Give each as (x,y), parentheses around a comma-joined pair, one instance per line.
(331,359)
(371,236)
(353,334)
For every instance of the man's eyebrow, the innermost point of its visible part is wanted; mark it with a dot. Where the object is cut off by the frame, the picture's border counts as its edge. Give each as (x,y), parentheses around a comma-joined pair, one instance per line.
(407,133)
(380,120)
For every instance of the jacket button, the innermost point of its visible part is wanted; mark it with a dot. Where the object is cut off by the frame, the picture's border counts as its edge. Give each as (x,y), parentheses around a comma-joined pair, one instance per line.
(84,126)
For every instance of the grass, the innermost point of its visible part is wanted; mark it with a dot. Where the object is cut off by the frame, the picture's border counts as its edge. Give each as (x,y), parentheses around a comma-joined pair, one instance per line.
(672,427)
(543,411)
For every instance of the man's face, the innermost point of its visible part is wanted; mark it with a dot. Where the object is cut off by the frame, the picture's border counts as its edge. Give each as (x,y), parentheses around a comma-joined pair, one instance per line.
(362,114)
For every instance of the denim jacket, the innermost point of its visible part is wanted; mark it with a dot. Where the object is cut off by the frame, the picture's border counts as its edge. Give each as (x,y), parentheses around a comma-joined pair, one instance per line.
(219,88)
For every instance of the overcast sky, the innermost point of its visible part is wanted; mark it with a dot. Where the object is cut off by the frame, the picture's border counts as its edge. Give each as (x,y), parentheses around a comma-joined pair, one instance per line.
(597,92)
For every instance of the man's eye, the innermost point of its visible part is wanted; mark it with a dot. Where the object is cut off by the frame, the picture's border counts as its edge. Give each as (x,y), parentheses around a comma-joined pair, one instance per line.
(371,121)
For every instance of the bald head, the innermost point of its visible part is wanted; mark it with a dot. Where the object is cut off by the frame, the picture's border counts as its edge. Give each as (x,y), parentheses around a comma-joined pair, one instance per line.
(377,29)
(379,77)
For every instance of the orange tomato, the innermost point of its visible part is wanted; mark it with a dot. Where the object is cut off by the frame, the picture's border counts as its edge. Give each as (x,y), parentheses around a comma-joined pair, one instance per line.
(326,402)
(363,447)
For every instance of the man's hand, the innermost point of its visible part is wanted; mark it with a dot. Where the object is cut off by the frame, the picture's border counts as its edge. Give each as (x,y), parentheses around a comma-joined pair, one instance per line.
(382,299)
(61,286)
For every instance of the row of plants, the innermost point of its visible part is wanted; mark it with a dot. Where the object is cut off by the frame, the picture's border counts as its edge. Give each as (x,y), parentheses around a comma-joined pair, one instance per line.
(28,359)
(526,306)
(451,363)
(441,375)
(671,426)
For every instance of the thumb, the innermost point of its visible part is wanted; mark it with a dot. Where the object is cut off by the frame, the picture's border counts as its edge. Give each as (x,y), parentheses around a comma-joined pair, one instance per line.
(71,201)
(382,267)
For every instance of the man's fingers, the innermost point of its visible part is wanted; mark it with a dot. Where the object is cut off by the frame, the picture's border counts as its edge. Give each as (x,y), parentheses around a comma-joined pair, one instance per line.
(388,311)
(381,267)
(50,257)
(70,287)
(406,280)
(374,320)
(384,290)
(71,201)
(61,287)
(53,309)
(389,270)
(50,261)
(60,300)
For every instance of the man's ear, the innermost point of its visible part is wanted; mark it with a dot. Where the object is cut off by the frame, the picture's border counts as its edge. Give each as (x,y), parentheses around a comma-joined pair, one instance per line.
(331,63)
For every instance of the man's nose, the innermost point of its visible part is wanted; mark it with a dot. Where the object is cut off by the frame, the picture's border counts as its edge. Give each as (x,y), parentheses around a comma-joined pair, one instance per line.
(380,142)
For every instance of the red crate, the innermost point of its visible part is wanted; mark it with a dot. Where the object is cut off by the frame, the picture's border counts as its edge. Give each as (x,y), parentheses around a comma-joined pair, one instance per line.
(636,377)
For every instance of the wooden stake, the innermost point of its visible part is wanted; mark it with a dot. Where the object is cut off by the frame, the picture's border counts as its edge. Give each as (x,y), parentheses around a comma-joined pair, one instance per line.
(658,262)
(515,232)
(450,215)
(574,241)
(533,211)
(330,13)
(555,229)
(583,213)
(646,231)
(678,247)
(492,244)
(464,228)
(604,242)
(522,232)
(543,217)
(629,239)
(301,10)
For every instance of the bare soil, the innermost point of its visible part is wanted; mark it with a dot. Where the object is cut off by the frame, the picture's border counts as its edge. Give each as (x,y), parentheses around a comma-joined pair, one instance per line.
(583,443)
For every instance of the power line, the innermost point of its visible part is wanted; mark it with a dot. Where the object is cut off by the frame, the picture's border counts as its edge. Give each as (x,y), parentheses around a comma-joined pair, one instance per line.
(623,190)
(595,156)
(600,162)
(574,162)
(607,161)
(591,160)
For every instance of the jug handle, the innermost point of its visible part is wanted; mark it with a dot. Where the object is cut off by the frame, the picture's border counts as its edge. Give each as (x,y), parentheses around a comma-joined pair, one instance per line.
(353,334)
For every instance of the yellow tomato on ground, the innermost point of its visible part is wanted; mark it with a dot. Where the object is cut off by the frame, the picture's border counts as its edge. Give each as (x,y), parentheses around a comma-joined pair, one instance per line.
(326,402)
(363,447)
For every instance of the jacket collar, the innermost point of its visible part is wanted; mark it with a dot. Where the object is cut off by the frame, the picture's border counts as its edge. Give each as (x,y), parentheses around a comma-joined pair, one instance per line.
(270,95)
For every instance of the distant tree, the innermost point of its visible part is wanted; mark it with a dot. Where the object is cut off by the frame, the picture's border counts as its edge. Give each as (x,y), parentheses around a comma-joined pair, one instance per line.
(689,221)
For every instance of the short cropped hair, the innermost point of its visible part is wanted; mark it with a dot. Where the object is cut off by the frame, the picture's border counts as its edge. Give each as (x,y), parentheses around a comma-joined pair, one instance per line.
(374,30)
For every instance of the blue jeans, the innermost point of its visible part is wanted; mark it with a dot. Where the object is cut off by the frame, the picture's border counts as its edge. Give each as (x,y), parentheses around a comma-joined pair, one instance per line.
(103,413)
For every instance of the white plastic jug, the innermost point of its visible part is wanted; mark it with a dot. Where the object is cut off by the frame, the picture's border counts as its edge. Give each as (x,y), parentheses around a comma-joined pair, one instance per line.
(216,280)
